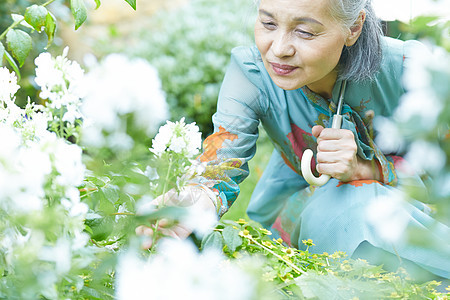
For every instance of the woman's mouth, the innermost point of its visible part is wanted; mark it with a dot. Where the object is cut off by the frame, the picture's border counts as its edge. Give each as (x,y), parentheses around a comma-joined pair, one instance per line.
(282,69)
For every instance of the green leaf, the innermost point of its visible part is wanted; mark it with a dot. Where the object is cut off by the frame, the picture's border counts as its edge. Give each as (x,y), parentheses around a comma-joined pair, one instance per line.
(212,240)
(101,228)
(50,28)
(19,43)
(111,193)
(231,238)
(2,53)
(13,64)
(79,12)
(169,212)
(132,3)
(20,18)
(36,15)
(98,181)
(319,286)
(97,2)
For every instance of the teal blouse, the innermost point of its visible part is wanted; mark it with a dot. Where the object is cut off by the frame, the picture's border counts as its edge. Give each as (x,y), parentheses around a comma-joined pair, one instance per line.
(337,216)
(248,96)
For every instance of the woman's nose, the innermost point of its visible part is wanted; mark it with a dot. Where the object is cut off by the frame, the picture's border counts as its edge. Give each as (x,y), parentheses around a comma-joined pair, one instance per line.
(282,46)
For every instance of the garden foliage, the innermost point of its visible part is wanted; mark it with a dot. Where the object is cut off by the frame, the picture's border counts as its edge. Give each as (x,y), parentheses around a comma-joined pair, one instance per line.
(190,46)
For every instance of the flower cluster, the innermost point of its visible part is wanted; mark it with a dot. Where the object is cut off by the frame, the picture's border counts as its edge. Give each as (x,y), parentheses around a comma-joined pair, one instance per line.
(122,89)
(30,123)
(60,81)
(8,82)
(179,271)
(42,213)
(33,158)
(178,137)
(419,116)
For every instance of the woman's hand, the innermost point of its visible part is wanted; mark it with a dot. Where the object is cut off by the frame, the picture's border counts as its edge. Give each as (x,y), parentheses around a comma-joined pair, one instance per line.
(191,196)
(336,156)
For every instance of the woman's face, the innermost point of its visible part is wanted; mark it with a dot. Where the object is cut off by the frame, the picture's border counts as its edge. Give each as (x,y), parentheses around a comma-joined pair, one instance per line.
(300,43)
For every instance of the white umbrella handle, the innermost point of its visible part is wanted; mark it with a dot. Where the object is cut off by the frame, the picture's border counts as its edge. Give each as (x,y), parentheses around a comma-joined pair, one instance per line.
(307,157)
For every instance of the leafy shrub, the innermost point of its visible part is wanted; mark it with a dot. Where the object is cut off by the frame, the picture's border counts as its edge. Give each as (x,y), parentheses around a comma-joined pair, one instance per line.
(190,47)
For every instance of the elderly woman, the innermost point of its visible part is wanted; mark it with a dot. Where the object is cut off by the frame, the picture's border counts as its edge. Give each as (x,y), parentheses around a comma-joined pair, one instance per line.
(290,82)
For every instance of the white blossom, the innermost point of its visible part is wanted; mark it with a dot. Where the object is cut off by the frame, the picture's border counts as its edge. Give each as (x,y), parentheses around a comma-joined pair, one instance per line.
(151,173)
(202,221)
(68,162)
(60,254)
(425,156)
(389,217)
(118,87)
(8,85)
(406,10)
(389,139)
(23,173)
(180,272)
(122,209)
(177,137)
(60,82)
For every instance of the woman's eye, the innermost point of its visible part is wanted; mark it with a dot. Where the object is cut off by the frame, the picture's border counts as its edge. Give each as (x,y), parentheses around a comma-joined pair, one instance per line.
(304,34)
(269,25)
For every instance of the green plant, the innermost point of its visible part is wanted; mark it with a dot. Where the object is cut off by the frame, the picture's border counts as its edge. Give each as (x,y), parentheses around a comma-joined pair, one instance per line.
(190,46)
(298,274)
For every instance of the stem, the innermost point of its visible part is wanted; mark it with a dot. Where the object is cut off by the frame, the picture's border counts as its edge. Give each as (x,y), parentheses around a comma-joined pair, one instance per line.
(47,3)
(10,27)
(94,242)
(294,267)
(87,194)
(61,124)
(155,229)
(167,178)
(122,214)
(88,189)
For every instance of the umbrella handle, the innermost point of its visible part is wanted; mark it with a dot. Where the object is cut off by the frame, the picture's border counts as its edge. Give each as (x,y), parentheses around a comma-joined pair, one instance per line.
(306,170)
(307,157)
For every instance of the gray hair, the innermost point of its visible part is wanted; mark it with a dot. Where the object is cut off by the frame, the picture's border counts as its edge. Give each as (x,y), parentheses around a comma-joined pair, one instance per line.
(362,60)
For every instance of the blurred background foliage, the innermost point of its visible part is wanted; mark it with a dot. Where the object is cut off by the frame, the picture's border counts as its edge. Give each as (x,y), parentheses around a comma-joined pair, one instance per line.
(190,46)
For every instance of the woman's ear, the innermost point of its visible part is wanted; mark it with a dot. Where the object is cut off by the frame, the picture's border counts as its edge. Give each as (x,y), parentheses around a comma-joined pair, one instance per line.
(356,29)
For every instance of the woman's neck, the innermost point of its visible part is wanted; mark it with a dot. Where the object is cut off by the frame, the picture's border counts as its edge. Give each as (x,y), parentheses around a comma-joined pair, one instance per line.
(324,87)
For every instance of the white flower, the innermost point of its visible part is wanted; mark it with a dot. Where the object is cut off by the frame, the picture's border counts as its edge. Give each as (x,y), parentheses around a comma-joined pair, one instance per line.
(68,163)
(201,276)
(388,136)
(151,173)
(116,88)
(119,141)
(425,156)
(8,85)
(60,81)
(122,209)
(389,216)
(177,137)
(177,144)
(60,254)
(412,107)
(197,167)
(406,10)
(73,204)
(23,173)
(201,221)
